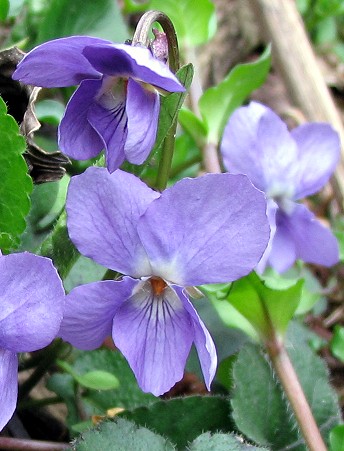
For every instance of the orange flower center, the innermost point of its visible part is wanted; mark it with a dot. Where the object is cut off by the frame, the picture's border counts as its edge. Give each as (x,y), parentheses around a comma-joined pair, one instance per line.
(158,285)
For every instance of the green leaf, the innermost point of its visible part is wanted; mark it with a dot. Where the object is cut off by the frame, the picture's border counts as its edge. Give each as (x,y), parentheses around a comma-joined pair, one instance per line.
(182,420)
(101,18)
(95,379)
(194,20)
(16,185)
(337,343)
(218,103)
(268,311)
(337,438)
(121,435)
(256,391)
(127,395)
(193,126)
(4,9)
(172,103)
(59,248)
(221,442)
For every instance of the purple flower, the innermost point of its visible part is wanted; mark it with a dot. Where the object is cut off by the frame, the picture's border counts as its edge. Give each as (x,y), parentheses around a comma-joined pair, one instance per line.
(116,106)
(31,312)
(286,166)
(205,230)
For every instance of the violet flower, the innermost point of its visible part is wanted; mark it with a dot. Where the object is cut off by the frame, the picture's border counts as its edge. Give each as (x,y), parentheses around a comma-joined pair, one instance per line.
(287,166)
(116,106)
(205,230)
(31,312)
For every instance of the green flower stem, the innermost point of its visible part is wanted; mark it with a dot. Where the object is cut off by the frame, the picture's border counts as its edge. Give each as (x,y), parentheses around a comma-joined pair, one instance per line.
(50,354)
(166,158)
(141,37)
(292,387)
(19,444)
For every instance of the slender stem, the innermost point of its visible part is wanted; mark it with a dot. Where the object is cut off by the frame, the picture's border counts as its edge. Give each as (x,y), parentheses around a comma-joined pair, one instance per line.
(141,36)
(49,357)
(166,158)
(143,29)
(292,387)
(209,150)
(18,444)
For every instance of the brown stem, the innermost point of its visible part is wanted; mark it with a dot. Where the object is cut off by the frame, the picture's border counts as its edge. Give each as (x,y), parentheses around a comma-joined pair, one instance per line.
(292,387)
(17,444)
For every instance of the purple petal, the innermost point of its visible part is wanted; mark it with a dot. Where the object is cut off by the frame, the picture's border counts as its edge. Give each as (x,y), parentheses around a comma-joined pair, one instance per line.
(8,385)
(77,138)
(299,235)
(31,302)
(58,63)
(108,116)
(319,151)
(136,62)
(89,311)
(256,142)
(207,230)
(143,108)
(203,341)
(154,333)
(103,210)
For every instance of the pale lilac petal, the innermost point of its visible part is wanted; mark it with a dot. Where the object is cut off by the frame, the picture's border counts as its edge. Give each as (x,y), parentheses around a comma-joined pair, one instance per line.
(31,298)
(135,62)
(256,142)
(154,333)
(318,155)
(102,214)
(300,235)
(203,342)
(108,117)
(271,210)
(77,138)
(207,230)
(143,108)
(8,385)
(58,63)
(89,311)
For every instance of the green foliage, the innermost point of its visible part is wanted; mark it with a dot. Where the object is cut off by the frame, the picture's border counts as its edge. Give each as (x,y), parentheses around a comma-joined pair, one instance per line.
(183,419)
(337,438)
(260,409)
(4,9)
(268,311)
(59,248)
(95,379)
(121,435)
(194,20)
(221,442)
(337,343)
(218,102)
(16,185)
(101,19)
(127,395)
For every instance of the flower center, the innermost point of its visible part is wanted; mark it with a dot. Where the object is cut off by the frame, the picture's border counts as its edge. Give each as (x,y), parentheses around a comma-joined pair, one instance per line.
(158,285)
